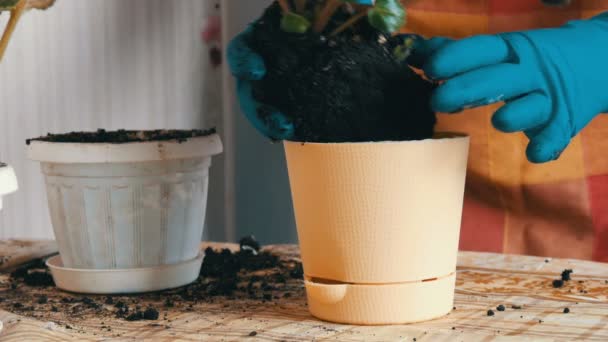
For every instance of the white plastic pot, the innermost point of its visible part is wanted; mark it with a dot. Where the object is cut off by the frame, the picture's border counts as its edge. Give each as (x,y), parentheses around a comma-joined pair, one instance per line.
(8,181)
(131,205)
(378,226)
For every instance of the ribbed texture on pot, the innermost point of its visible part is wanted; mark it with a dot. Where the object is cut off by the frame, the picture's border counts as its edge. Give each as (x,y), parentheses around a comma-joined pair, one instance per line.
(377,213)
(109,216)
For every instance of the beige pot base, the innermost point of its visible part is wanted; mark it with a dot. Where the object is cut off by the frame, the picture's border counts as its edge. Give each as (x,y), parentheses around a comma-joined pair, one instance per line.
(399,303)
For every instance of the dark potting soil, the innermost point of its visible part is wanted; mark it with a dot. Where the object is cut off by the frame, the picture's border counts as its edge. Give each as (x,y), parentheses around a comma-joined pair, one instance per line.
(566,274)
(3,165)
(34,274)
(565,277)
(123,136)
(249,243)
(347,88)
(226,277)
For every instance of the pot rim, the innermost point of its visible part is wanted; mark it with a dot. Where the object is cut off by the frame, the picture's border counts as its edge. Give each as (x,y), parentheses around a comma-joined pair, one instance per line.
(437,137)
(86,153)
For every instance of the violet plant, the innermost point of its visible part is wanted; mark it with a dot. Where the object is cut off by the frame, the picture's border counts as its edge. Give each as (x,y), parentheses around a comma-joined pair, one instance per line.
(16,8)
(302,16)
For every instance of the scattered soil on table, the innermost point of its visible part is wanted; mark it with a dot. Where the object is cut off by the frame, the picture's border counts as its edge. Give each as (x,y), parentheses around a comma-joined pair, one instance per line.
(500,307)
(346,88)
(34,274)
(490,313)
(123,136)
(249,243)
(566,275)
(248,276)
(566,310)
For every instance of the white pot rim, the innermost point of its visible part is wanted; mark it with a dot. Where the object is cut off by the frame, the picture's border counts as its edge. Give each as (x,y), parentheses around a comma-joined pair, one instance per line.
(84,153)
(437,138)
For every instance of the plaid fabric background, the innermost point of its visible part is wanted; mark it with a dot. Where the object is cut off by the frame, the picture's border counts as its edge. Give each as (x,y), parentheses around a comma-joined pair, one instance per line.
(558,209)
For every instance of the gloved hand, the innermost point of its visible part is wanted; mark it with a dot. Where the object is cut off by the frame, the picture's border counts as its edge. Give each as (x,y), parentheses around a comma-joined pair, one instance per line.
(553,81)
(247,66)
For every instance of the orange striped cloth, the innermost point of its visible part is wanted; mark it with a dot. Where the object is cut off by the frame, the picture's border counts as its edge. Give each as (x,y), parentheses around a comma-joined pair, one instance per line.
(558,209)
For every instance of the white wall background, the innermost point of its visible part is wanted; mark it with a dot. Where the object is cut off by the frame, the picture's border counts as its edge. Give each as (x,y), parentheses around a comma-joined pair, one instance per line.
(88,64)
(257,196)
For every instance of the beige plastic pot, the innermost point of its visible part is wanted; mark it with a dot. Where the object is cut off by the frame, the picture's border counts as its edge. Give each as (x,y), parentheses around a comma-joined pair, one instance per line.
(127,206)
(378,226)
(8,181)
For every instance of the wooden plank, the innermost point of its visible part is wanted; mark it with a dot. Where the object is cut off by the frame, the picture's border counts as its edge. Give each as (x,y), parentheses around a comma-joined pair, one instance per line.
(17,252)
(484,282)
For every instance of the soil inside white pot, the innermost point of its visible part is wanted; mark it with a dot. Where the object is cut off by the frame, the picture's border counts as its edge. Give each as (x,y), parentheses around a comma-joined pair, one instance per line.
(3,165)
(122,136)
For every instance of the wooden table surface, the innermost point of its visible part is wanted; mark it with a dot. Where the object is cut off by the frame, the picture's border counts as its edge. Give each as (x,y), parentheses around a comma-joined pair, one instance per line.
(484,282)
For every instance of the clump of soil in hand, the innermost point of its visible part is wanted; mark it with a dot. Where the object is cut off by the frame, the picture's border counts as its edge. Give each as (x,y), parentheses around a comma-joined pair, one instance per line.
(123,136)
(345,88)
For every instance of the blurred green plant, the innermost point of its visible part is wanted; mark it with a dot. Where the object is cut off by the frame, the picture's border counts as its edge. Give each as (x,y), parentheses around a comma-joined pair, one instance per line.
(300,16)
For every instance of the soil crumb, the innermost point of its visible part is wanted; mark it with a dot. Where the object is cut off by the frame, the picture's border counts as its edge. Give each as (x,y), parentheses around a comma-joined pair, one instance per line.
(566,274)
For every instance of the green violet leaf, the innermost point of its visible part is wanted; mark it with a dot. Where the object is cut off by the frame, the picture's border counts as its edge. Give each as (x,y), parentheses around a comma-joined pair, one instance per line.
(294,23)
(387,15)
(7,5)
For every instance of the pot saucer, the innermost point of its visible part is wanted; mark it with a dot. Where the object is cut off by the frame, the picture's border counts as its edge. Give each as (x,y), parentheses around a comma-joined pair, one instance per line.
(124,281)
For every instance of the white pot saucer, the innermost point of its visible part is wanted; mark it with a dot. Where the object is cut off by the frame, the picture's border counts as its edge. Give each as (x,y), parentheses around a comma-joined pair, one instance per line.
(124,281)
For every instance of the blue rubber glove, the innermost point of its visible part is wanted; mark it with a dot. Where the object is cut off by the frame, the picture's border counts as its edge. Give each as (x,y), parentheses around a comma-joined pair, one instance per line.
(247,66)
(553,81)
